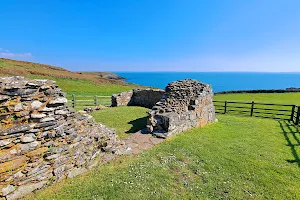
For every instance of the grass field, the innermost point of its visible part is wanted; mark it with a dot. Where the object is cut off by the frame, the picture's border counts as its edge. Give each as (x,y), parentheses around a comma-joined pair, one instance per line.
(274,111)
(279,98)
(85,87)
(125,119)
(236,158)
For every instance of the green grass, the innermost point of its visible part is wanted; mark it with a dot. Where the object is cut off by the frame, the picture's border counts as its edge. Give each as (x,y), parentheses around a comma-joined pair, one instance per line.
(84,87)
(276,98)
(283,112)
(124,119)
(236,158)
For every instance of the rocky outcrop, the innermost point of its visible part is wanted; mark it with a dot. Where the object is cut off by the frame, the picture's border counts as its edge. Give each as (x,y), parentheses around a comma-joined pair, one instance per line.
(42,140)
(111,76)
(137,97)
(185,104)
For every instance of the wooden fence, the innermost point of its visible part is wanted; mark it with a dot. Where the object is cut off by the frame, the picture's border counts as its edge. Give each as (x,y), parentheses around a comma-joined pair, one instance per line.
(83,100)
(253,109)
(264,110)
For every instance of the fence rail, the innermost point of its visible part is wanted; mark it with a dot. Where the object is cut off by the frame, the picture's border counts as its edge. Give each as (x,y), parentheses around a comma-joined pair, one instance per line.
(264,110)
(253,109)
(83,100)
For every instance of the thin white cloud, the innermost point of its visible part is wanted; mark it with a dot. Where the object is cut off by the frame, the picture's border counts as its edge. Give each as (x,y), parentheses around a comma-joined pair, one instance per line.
(279,57)
(8,54)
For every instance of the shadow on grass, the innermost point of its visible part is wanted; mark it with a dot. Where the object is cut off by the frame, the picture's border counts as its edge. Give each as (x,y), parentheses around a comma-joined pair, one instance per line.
(137,124)
(290,133)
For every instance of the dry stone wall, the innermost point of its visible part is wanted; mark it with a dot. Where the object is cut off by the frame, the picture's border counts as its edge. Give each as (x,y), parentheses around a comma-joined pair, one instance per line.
(121,99)
(186,104)
(42,140)
(138,97)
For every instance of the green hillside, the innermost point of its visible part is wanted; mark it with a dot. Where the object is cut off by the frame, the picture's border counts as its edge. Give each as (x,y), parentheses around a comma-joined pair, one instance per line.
(70,82)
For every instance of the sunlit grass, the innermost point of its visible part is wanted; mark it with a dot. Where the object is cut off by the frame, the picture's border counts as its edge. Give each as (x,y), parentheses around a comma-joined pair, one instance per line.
(276,98)
(124,119)
(236,158)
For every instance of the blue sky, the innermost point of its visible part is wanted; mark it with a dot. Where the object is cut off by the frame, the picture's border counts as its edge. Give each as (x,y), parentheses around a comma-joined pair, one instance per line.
(154,35)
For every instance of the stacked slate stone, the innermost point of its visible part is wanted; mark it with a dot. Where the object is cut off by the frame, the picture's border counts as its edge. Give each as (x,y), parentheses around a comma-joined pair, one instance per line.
(121,99)
(42,140)
(186,104)
(137,97)
(146,97)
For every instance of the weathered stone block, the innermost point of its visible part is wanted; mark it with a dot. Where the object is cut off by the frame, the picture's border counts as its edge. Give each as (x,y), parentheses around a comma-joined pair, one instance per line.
(59,100)
(28,138)
(25,189)
(36,105)
(14,164)
(16,129)
(7,190)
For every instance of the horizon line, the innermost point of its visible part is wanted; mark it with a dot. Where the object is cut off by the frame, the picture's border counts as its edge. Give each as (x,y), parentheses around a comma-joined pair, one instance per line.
(195,71)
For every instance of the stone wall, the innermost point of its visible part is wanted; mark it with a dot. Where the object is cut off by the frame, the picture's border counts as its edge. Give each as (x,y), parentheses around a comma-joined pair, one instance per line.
(138,97)
(42,140)
(186,104)
(121,99)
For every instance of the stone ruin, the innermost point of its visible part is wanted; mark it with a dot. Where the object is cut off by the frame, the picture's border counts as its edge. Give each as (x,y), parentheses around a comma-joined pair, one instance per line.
(42,139)
(137,97)
(185,104)
(181,106)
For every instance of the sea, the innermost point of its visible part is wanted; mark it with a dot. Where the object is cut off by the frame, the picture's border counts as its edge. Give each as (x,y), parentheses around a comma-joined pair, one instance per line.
(220,81)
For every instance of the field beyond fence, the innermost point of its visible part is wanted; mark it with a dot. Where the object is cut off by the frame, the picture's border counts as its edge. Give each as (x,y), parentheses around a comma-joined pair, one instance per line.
(85,100)
(254,109)
(264,110)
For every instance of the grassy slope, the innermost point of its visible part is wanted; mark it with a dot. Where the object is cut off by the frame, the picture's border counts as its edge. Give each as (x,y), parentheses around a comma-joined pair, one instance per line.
(21,68)
(71,82)
(237,158)
(125,120)
(85,87)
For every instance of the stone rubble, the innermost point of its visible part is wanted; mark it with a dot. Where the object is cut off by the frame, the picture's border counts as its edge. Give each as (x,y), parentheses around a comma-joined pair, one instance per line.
(43,140)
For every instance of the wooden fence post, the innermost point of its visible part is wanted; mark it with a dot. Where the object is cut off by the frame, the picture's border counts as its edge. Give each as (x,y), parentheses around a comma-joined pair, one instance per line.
(252,108)
(298,116)
(73,101)
(292,114)
(225,107)
(96,101)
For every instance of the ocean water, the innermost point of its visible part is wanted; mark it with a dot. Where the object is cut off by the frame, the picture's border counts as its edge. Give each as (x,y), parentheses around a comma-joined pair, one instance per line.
(220,81)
